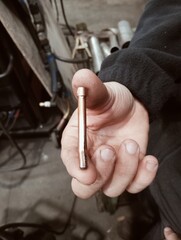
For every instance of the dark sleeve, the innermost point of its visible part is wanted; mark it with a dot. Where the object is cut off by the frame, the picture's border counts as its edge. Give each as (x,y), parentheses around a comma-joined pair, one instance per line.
(151,66)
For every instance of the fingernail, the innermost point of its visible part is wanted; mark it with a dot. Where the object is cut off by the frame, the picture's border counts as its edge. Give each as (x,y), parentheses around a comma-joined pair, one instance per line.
(107,154)
(131,148)
(151,165)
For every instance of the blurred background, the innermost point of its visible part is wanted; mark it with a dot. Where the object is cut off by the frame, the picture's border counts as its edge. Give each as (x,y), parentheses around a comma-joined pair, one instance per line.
(43,43)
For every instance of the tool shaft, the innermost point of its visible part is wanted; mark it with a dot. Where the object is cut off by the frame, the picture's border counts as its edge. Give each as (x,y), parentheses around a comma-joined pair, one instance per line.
(81,93)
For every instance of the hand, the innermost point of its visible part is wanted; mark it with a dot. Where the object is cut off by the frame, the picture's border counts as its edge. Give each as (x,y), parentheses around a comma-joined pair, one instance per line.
(170,235)
(117,135)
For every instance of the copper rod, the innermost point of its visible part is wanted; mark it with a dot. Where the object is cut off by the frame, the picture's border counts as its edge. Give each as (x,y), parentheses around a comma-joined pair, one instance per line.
(81,94)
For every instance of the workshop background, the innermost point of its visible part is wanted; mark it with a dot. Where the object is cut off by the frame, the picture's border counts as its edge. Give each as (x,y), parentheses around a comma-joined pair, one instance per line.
(34,185)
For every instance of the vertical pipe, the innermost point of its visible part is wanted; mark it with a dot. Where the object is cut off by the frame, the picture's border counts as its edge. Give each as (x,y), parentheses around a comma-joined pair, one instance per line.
(113,42)
(97,54)
(125,33)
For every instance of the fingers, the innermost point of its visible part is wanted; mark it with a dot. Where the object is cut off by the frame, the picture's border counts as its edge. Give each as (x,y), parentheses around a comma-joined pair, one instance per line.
(97,94)
(145,174)
(130,173)
(104,159)
(170,235)
(113,177)
(125,168)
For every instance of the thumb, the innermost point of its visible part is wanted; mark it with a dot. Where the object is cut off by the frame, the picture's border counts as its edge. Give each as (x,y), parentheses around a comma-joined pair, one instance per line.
(96,92)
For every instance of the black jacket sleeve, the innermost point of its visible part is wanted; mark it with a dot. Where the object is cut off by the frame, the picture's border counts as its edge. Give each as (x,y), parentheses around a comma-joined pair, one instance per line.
(151,66)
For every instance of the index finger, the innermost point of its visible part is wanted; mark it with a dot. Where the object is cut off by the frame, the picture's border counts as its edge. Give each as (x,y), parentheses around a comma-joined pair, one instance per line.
(70,155)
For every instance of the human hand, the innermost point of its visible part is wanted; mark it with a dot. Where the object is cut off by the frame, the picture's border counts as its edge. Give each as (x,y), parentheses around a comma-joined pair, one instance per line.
(170,235)
(117,135)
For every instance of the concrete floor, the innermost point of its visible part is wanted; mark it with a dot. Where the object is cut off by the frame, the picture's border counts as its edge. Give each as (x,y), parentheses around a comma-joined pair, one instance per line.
(42,194)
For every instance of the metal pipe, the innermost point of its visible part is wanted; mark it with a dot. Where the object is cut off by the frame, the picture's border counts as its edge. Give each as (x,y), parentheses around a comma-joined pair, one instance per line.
(125,33)
(97,54)
(113,42)
(105,49)
(81,94)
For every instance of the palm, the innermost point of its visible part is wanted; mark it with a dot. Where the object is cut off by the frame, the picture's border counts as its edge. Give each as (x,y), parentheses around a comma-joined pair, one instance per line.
(115,134)
(113,122)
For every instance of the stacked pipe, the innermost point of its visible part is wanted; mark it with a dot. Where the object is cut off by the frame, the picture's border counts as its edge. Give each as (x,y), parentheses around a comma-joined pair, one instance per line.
(117,38)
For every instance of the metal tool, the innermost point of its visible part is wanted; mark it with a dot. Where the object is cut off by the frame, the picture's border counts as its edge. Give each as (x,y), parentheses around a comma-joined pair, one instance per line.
(81,94)
(81,45)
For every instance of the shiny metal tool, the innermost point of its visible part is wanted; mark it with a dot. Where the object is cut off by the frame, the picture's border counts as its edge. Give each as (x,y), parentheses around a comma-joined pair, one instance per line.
(81,94)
